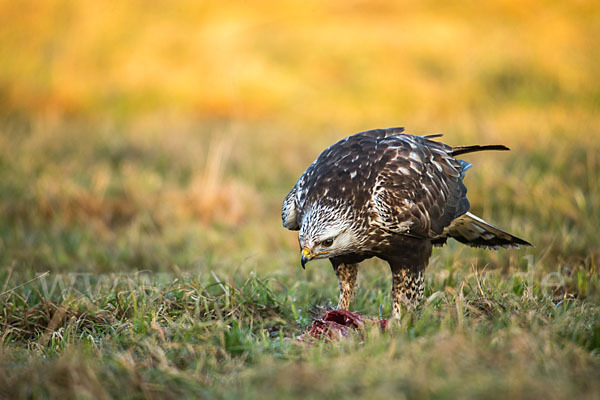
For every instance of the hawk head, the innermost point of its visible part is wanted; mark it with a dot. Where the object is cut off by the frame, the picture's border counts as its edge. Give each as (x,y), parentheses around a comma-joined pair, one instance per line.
(326,231)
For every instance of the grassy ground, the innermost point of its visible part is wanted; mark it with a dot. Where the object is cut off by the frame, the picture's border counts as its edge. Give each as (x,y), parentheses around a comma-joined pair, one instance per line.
(145,152)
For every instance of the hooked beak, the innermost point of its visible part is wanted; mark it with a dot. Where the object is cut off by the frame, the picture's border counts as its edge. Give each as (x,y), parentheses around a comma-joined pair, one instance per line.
(306,257)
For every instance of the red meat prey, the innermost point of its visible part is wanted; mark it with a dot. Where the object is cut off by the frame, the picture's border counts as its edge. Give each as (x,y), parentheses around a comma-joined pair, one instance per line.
(337,324)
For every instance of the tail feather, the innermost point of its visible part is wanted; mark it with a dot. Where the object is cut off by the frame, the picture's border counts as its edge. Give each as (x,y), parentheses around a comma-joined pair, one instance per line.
(473,231)
(433,136)
(458,150)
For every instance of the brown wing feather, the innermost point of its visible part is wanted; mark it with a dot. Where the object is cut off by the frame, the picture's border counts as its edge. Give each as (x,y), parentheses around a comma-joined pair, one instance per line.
(418,190)
(289,218)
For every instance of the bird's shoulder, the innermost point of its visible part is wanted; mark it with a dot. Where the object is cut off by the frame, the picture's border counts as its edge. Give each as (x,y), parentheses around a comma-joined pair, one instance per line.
(344,170)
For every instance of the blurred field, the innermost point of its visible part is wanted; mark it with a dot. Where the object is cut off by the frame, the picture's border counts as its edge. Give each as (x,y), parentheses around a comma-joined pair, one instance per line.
(147,146)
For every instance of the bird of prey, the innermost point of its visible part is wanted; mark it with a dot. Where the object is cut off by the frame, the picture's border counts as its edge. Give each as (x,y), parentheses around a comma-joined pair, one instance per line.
(386,194)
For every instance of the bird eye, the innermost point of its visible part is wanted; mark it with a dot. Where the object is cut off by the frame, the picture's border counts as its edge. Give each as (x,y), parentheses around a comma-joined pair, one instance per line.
(327,242)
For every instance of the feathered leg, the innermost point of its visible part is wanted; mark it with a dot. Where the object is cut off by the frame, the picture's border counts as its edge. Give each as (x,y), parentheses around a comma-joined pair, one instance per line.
(346,274)
(408,287)
(408,281)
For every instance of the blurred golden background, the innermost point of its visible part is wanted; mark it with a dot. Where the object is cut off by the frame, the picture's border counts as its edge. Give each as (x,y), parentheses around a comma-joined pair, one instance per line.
(344,64)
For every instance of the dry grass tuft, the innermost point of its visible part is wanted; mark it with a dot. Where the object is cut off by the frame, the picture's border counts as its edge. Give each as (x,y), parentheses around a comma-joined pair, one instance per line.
(211,195)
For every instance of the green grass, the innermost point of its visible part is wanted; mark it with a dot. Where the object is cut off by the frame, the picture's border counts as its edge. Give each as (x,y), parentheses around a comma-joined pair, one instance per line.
(179,335)
(115,282)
